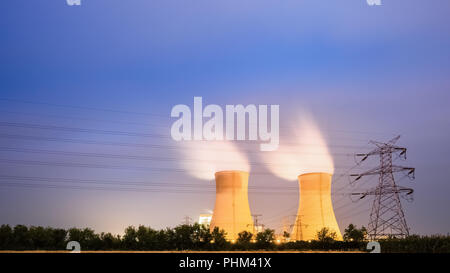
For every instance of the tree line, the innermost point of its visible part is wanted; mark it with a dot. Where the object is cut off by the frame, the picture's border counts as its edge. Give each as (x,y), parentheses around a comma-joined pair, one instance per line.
(200,237)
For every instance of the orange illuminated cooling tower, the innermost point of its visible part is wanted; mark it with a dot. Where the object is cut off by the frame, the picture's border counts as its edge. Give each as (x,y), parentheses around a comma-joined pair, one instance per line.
(232,210)
(315,209)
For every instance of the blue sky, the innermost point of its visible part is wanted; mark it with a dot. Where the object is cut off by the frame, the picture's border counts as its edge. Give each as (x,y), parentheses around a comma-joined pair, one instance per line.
(364,72)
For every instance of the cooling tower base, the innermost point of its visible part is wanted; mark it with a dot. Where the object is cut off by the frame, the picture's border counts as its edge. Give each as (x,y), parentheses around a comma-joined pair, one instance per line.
(232,210)
(315,210)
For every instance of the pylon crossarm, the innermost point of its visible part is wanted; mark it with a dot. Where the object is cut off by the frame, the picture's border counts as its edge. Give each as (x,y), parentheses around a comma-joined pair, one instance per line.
(382,149)
(361,194)
(390,142)
(366,155)
(410,170)
(389,190)
(373,171)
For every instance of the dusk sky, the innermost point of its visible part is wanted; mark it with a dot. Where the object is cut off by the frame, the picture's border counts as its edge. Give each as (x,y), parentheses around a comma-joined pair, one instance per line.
(78,83)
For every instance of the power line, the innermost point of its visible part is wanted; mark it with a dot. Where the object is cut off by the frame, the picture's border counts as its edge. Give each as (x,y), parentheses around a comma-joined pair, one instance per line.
(141,113)
(345,187)
(134,134)
(128,189)
(83,107)
(160,187)
(135,145)
(79,130)
(132,183)
(119,189)
(143,123)
(355,214)
(59,116)
(133,157)
(103,166)
(351,209)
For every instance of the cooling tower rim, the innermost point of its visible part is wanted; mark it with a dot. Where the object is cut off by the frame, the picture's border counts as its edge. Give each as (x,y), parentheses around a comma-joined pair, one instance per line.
(314,173)
(230,171)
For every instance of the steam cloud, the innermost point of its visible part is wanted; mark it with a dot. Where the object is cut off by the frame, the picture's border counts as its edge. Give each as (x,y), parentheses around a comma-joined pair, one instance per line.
(310,155)
(211,157)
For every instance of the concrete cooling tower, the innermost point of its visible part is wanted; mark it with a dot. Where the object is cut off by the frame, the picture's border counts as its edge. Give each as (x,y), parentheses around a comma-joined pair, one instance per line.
(315,209)
(232,211)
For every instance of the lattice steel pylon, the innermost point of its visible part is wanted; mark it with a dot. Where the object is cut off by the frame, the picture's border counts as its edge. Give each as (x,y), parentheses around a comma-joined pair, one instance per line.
(387,218)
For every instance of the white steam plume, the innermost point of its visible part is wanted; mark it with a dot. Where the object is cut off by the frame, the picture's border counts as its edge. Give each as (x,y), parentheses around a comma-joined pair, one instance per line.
(202,159)
(311,154)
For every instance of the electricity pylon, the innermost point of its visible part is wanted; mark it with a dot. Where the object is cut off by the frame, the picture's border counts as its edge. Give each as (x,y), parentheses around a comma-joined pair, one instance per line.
(387,218)
(187,220)
(256,223)
(298,227)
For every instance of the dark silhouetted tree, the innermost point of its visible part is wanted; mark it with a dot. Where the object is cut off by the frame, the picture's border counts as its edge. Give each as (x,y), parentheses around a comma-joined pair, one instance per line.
(6,237)
(110,242)
(59,238)
(352,233)
(219,239)
(21,238)
(130,238)
(40,237)
(87,238)
(201,236)
(184,237)
(325,235)
(244,240)
(265,238)
(147,238)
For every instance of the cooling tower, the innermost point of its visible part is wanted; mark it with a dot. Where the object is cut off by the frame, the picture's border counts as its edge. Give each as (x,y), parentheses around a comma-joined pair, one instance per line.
(315,210)
(232,211)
